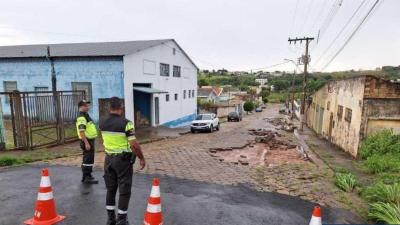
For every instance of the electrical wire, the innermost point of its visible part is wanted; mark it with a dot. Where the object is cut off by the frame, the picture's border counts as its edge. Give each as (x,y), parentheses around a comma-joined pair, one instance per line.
(340,32)
(370,11)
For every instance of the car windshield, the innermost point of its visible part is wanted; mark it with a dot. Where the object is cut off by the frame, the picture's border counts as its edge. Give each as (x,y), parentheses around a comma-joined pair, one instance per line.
(203,117)
(233,113)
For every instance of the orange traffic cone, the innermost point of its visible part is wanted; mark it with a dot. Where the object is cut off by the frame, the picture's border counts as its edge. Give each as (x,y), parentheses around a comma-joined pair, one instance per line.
(45,208)
(316,216)
(153,215)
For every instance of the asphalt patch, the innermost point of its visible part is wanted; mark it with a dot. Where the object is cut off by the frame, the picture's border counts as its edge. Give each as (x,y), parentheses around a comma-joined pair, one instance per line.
(184,202)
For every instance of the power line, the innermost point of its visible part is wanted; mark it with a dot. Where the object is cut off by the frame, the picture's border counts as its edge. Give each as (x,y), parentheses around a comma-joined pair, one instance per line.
(268,67)
(307,16)
(340,32)
(294,17)
(374,6)
(328,20)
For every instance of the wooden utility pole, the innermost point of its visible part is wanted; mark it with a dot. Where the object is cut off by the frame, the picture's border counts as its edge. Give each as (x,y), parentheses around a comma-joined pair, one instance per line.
(305,60)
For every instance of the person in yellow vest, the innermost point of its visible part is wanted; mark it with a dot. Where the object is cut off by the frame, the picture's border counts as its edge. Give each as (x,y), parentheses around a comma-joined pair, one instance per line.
(121,149)
(87,133)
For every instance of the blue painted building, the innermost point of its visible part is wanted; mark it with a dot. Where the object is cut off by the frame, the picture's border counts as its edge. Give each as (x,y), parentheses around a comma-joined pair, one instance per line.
(155,94)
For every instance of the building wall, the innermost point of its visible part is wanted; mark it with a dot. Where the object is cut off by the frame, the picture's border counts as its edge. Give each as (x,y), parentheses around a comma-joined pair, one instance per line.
(144,67)
(105,74)
(347,93)
(381,106)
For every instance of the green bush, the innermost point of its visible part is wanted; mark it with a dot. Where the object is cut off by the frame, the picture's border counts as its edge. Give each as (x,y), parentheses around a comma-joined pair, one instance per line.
(383,193)
(385,212)
(345,181)
(380,143)
(382,163)
(248,106)
(9,161)
(389,178)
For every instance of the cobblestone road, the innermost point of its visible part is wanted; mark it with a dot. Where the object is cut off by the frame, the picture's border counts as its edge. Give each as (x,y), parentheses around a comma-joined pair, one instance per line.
(187,156)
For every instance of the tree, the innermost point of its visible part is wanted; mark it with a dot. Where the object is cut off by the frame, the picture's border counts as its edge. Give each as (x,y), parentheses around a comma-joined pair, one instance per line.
(265,100)
(248,106)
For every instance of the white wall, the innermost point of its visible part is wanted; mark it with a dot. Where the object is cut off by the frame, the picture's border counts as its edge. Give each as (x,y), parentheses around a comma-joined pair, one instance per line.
(138,69)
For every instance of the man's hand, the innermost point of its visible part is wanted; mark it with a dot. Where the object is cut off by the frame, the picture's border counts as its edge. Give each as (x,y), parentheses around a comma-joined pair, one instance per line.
(87,145)
(142,164)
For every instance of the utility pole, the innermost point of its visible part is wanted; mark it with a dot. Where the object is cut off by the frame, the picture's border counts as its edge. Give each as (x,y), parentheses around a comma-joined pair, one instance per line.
(305,60)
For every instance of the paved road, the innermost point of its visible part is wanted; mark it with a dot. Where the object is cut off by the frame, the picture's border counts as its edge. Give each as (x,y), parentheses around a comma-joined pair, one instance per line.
(184,201)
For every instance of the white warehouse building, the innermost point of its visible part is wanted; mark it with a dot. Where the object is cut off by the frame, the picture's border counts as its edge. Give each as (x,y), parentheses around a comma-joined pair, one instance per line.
(156,78)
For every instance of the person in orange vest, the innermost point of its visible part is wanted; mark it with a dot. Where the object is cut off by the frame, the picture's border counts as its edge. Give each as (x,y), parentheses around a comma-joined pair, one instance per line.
(121,150)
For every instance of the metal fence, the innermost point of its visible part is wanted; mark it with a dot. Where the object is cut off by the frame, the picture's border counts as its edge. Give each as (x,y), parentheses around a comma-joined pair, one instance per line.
(37,119)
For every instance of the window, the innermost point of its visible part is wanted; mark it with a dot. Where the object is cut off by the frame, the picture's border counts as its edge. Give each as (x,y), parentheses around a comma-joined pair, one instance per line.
(328,105)
(176,97)
(184,94)
(167,97)
(340,112)
(192,93)
(347,115)
(177,71)
(189,93)
(41,88)
(164,69)
(83,86)
(9,86)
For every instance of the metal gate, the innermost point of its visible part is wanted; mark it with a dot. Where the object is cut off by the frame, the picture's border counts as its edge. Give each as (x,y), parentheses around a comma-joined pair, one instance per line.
(42,118)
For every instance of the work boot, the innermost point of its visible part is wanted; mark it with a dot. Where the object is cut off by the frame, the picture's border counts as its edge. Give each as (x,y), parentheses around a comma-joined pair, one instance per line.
(90,180)
(122,220)
(111,217)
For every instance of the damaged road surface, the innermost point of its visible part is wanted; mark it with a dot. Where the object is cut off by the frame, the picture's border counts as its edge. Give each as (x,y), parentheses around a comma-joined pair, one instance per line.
(183,201)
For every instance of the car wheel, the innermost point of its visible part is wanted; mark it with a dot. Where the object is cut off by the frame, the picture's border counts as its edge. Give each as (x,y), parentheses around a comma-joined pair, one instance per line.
(192,130)
(217,128)
(211,129)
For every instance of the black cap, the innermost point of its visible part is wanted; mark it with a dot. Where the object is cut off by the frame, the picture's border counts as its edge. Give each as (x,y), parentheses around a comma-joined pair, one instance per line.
(115,103)
(83,102)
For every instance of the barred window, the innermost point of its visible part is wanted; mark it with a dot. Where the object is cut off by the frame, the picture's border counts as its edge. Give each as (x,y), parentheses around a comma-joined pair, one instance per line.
(167,97)
(340,112)
(9,86)
(348,115)
(176,97)
(164,69)
(184,94)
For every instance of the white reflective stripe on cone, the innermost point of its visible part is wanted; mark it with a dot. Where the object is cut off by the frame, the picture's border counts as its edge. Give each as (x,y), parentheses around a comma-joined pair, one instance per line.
(155,192)
(45,196)
(315,221)
(110,207)
(122,212)
(45,182)
(154,208)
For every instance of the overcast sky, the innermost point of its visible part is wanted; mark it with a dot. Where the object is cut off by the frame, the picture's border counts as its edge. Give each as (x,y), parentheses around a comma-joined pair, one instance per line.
(231,34)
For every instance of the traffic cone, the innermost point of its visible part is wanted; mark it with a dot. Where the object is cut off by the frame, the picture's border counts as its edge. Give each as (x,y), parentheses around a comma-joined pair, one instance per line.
(316,216)
(45,208)
(153,215)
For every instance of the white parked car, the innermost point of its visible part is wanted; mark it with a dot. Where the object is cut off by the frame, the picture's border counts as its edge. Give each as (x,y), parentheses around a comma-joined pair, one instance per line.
(205,122)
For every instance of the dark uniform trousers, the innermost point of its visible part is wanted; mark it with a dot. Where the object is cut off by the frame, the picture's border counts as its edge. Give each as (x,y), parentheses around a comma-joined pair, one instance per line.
(88,158)
(118,172)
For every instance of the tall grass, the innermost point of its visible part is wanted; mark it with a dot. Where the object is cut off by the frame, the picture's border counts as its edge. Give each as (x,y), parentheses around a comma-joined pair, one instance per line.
(380,143)
(385,212)
(345,181)
(383,193)
(382,163)
(9,161)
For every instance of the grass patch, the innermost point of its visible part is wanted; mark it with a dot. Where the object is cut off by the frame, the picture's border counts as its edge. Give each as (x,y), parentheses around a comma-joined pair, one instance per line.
(345,181)
(9,161)
(383,193)
(381,143)
(382,163)
(385,212)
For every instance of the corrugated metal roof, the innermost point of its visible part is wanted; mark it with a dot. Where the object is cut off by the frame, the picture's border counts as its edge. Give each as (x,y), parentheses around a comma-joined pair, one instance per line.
(79,49)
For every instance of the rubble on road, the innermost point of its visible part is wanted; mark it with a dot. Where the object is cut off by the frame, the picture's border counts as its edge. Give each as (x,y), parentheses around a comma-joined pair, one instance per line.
(282,123)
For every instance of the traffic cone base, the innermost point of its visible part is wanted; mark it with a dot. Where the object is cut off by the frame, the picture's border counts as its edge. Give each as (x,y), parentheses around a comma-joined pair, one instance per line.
(45,207)
(32,221)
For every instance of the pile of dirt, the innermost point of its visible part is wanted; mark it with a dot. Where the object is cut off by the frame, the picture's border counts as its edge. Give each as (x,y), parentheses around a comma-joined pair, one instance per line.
(269,137)
(281,124)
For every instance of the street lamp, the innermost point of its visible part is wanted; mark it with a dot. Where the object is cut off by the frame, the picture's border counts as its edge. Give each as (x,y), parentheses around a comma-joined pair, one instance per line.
(292,88)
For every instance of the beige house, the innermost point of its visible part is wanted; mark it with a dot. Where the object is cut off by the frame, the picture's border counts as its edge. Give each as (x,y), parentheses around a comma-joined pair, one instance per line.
(346,111)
